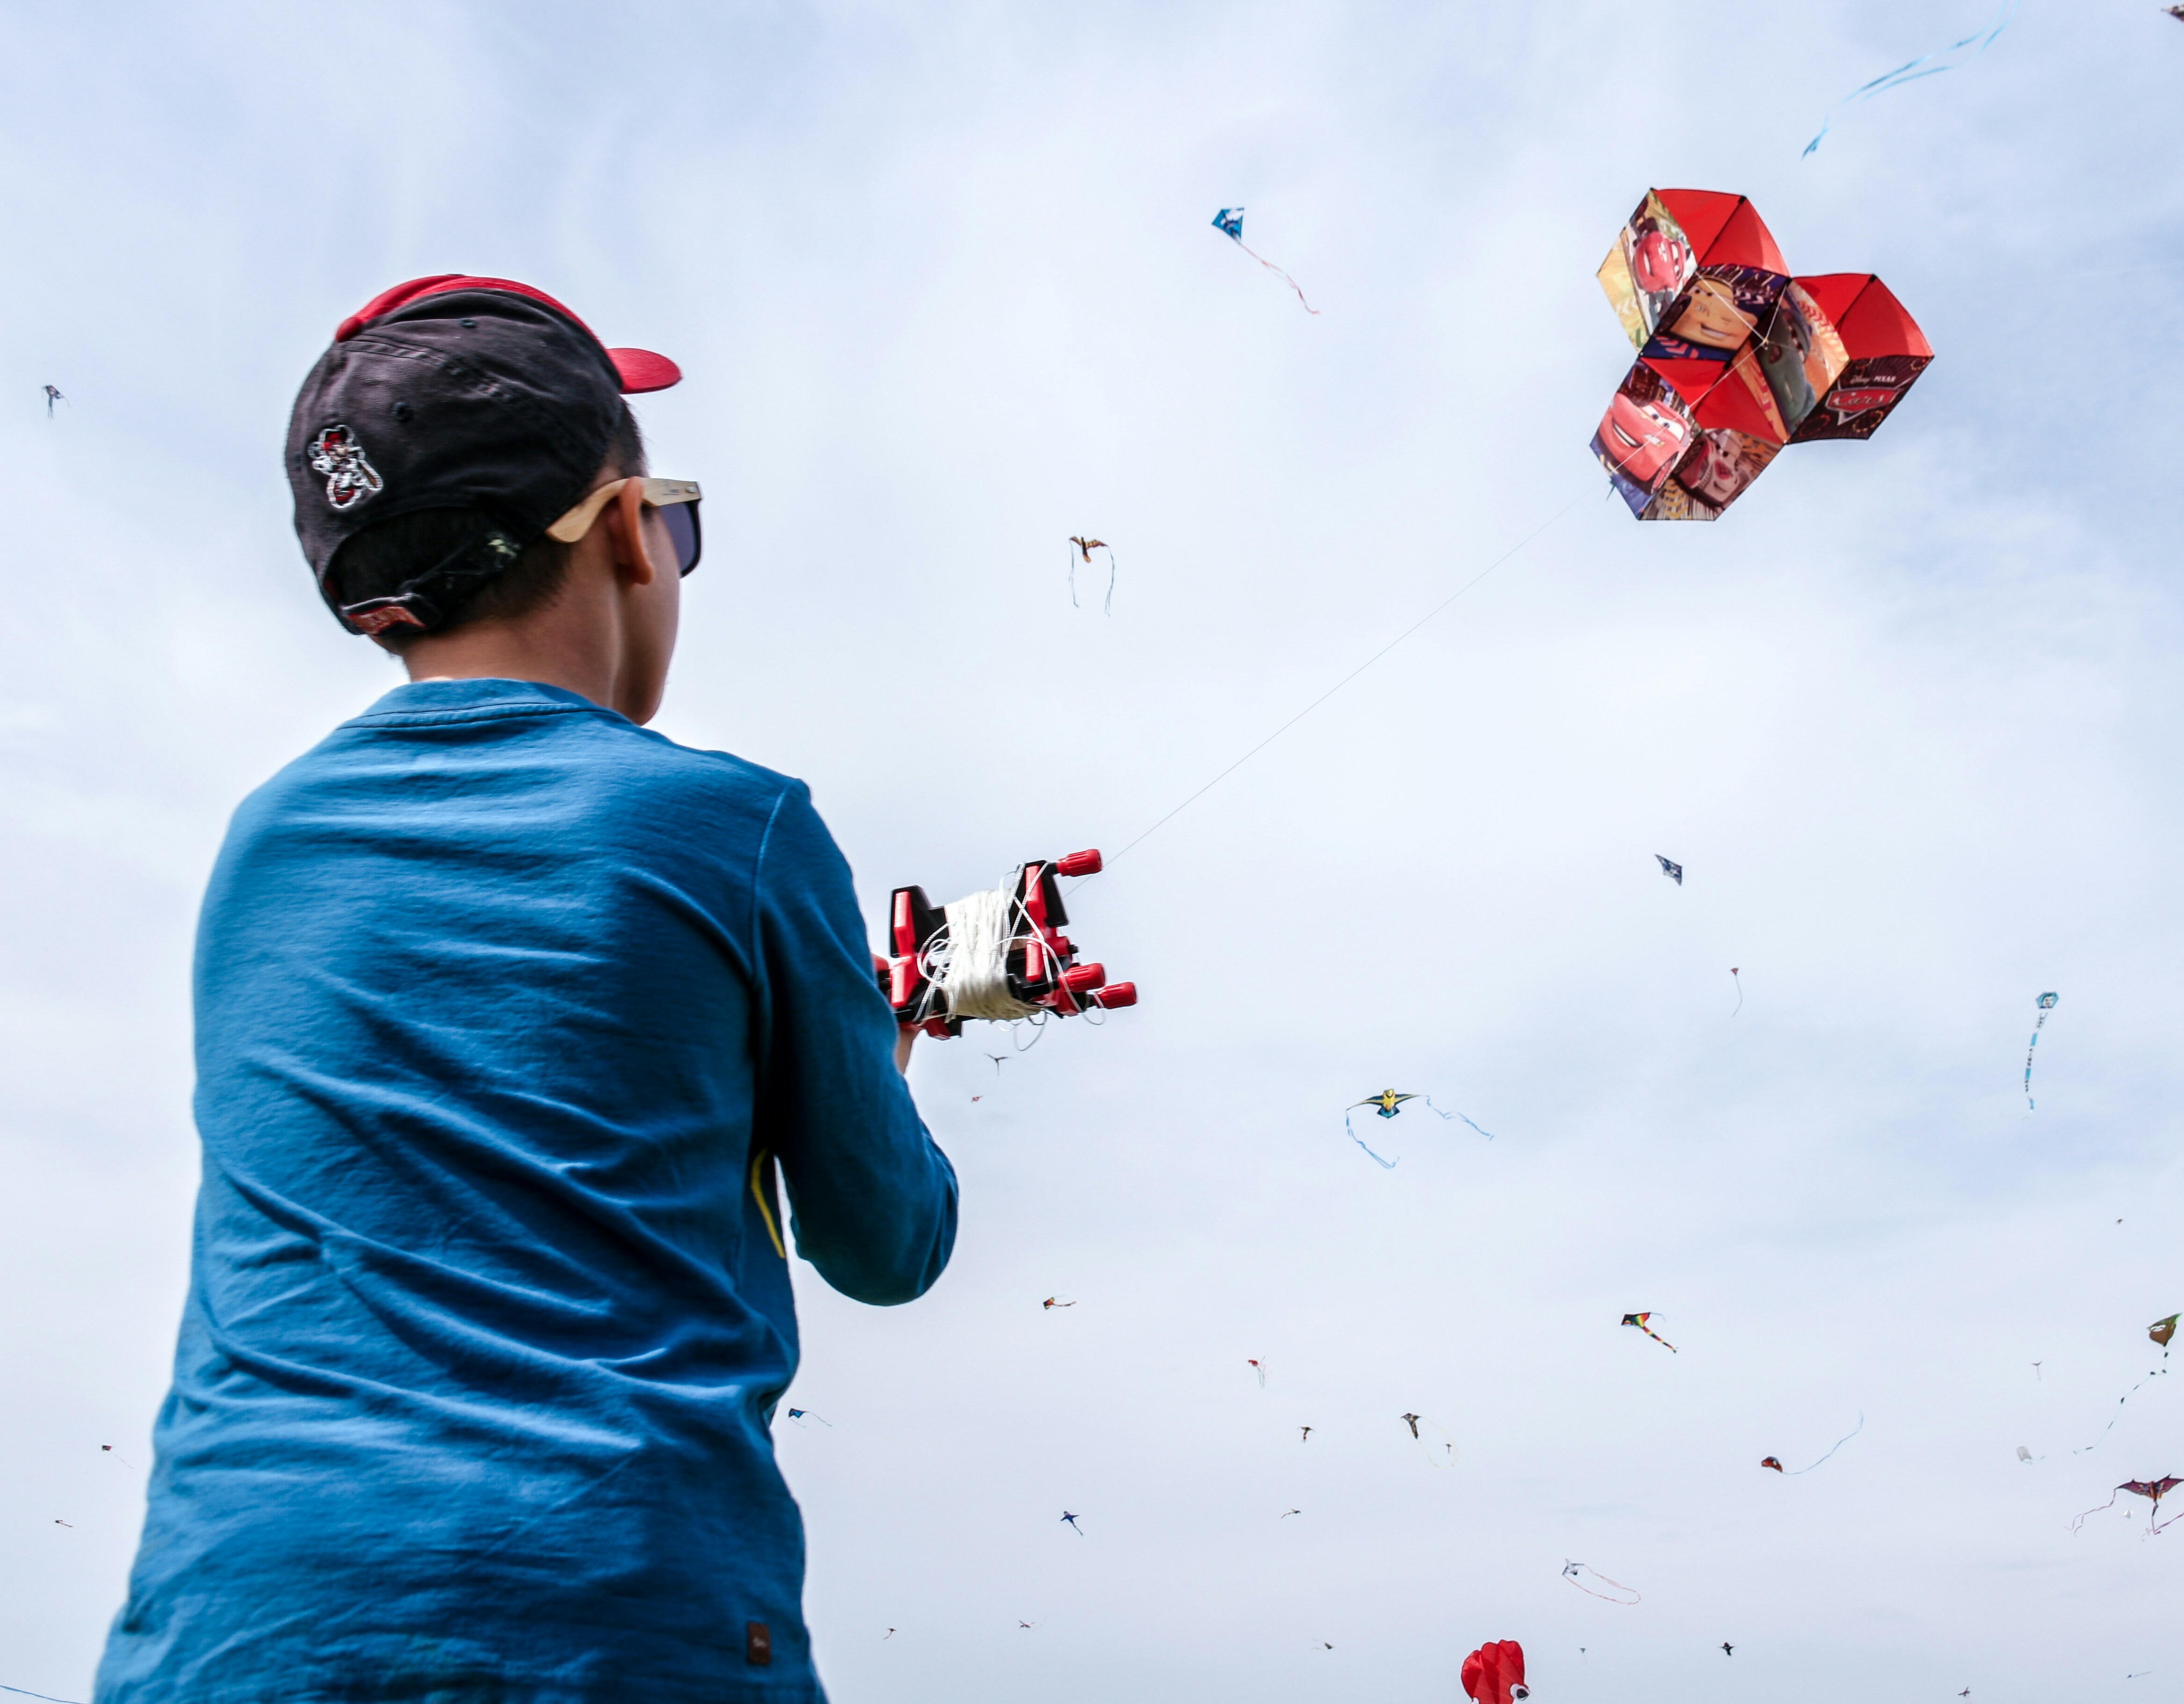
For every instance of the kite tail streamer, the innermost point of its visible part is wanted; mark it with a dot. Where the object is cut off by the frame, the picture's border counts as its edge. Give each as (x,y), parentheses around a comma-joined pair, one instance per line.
(1428,1099)
(1839,1442)
(2047,1005)
(2103,1510)
(1910,72)
(1385,1165)
(2158,1373)
(1277,273)
(1571,1570)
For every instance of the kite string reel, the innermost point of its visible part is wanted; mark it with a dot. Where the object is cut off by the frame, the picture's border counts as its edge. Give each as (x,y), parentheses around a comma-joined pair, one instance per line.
(968,963)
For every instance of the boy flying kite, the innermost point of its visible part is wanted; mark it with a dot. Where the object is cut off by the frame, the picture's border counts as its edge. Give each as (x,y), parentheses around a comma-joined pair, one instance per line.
(506,1011)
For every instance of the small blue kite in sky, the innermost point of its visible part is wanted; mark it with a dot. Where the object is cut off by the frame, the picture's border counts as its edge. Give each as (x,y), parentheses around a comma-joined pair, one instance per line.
(1674,872)
(1946,58)
(2047,1005)
(1229,222)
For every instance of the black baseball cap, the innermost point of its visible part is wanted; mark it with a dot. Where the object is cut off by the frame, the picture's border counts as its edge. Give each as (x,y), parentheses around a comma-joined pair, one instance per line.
(453,392)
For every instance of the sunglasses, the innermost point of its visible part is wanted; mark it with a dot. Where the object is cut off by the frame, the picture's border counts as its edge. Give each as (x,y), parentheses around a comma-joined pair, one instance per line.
(677,500)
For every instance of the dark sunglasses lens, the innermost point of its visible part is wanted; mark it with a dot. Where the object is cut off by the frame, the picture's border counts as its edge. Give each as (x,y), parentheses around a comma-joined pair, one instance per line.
(682,519)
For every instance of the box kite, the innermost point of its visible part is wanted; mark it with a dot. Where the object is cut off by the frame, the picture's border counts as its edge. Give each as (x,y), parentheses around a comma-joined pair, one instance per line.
(1495,1673)
(1735,357)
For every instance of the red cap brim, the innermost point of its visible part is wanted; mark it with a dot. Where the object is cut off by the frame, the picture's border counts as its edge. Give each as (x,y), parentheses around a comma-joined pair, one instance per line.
(641,371)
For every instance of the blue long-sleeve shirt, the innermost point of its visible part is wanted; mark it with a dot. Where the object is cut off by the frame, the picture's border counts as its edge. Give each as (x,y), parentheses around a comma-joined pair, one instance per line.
(506,1011)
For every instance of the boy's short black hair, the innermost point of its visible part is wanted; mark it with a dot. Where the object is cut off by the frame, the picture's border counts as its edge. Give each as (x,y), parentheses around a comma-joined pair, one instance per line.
(378,560)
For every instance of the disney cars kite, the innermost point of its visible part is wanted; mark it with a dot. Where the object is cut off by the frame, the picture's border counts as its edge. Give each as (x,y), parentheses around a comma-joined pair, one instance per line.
(1736,358)
(998,955)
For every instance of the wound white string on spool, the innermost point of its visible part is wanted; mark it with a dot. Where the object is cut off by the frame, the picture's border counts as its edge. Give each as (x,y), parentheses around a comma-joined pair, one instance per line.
(968,964)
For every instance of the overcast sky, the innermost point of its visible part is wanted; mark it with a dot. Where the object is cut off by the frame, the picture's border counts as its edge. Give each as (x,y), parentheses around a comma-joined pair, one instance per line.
(944,283)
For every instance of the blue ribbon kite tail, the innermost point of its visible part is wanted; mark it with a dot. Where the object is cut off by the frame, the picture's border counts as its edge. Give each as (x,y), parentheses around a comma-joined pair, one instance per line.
(1428,1099)
(1926,65)
(1839,1442)
(1385,1165)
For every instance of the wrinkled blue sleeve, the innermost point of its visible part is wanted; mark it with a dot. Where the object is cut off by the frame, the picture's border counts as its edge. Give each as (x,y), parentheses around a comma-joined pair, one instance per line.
(872,1201)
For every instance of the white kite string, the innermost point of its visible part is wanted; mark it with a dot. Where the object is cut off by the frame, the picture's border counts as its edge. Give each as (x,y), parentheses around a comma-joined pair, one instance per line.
(1351,677)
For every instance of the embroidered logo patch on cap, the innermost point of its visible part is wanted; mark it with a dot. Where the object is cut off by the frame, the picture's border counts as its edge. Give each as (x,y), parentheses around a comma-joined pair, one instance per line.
(350,475)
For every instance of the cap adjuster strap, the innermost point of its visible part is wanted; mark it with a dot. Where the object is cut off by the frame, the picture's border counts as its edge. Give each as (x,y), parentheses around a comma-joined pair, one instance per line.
(415,605)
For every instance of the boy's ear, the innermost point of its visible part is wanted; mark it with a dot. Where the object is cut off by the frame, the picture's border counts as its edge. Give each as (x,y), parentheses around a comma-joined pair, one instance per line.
(625,518)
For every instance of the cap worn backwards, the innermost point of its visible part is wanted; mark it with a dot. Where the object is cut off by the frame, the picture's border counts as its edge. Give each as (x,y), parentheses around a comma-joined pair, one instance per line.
(453,392)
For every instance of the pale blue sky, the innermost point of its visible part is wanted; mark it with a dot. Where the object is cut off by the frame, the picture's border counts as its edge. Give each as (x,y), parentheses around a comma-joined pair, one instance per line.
(943,280)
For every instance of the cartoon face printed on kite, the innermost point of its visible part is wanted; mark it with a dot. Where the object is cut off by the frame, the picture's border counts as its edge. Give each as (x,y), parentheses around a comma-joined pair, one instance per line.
(1712,318)
(1714,470)
(1801,356)
(1642,440)
(1659,259)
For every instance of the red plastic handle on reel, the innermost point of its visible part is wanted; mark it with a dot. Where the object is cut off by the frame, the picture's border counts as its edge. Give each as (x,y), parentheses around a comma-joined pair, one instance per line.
(1119,995)
(1085,863)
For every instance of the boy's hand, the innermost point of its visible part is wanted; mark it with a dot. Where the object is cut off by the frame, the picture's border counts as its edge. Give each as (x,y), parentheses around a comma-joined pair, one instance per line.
(903,1037)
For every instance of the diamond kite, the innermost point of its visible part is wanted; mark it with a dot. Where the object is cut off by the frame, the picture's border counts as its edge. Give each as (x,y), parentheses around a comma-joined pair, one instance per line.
(1639,1320)
(1229,222)
(1672,871)
(1735,357)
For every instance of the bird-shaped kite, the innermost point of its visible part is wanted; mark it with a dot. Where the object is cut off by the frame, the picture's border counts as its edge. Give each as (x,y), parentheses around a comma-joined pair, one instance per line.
(1074,1526)
(1727,1648)
(1495,1673)
(1084,548)
(1439,1449)
(1385,1105)
(1639,1320)
(2151,1489)
(1229,222)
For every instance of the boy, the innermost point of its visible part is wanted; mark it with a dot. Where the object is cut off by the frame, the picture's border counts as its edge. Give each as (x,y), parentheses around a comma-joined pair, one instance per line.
(506,1011)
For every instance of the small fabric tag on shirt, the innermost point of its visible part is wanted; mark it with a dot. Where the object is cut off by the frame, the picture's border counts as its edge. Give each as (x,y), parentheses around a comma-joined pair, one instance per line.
(758,1644)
